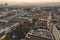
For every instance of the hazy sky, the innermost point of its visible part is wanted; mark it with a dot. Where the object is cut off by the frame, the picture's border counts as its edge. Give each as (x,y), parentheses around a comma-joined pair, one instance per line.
(28,1)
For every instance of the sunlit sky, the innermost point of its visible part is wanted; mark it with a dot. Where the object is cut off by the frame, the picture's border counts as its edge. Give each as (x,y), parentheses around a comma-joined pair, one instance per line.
(28,1)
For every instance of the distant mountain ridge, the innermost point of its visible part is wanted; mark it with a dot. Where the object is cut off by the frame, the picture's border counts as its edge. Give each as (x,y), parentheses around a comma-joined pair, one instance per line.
(39,4)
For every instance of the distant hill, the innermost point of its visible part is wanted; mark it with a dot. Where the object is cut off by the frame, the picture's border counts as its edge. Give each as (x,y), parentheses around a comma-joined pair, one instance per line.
(43,4)
(53,4)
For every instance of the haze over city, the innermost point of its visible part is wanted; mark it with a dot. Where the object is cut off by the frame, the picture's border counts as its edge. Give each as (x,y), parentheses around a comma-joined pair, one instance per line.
(28,1)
